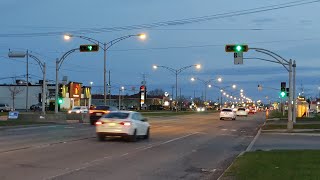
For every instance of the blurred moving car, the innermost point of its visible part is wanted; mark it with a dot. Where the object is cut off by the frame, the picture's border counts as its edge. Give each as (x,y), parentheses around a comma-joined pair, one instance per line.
(201,109)
(241,112)
(5,108)
(227,113)
(252,111)
(78,110)
(98,111)
(126,124)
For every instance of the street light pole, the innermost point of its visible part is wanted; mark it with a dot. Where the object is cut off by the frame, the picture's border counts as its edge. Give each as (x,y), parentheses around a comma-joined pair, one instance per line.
(177,72)
(27,91)
(105,47)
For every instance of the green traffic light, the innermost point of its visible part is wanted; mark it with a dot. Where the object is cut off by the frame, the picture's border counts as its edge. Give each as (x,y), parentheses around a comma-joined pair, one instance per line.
(282,94)
(60,101)
(238,48)
(90,48)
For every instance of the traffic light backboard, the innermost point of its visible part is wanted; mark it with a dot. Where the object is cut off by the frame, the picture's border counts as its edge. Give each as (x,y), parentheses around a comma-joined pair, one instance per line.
(89,48)
(236,48)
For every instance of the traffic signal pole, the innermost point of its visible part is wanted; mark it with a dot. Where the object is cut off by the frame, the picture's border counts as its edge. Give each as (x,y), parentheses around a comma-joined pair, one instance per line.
(290,66)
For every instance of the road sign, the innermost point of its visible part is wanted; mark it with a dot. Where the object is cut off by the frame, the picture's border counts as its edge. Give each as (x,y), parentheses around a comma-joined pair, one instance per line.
(238,58)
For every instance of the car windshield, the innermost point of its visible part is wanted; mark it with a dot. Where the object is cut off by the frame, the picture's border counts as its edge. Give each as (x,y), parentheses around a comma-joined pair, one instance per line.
(76,108)
(102,108)
(226,110)
(241,109)
(117,115)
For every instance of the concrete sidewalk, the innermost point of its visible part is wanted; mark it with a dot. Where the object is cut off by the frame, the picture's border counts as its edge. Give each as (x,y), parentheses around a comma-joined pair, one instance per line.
(270,141)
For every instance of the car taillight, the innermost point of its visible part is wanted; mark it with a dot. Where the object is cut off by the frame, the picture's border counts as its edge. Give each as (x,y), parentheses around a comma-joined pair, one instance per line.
(99,123)
(125,123)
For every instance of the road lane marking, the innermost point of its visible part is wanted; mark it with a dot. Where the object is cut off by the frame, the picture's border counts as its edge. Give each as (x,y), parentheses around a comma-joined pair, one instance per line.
(28,128)
(92,163)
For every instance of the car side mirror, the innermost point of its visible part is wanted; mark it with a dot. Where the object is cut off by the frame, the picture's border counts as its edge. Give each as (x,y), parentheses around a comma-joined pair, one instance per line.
(144,119)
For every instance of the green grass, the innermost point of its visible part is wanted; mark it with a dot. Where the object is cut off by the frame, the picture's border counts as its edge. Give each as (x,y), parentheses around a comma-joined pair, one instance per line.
(4,113)
(20,122)
(295,126)
(276,165)
(277,114)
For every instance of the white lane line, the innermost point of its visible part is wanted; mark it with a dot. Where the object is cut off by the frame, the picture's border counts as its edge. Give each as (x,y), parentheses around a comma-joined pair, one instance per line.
(224,129)
(92,163)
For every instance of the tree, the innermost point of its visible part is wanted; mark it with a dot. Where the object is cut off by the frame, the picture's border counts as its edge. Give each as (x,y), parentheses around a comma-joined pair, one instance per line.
(156,92)
(14,91)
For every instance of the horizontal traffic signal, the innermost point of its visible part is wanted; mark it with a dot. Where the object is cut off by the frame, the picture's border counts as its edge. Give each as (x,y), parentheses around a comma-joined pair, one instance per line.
(236,48)
(89,48)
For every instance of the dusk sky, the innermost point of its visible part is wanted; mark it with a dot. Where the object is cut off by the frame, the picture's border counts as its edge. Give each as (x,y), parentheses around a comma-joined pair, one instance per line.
(179,33)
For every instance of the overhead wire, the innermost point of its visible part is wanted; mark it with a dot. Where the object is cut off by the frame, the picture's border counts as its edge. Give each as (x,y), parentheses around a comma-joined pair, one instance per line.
(172,22)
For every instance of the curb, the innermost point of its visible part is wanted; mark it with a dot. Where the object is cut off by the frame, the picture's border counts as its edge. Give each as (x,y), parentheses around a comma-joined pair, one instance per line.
(294,134)
(248,149)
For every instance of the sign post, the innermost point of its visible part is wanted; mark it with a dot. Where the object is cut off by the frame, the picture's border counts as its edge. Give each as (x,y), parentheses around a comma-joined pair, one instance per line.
(238,58)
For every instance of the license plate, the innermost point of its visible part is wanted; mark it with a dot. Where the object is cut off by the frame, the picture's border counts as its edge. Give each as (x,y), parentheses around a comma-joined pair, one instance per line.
(98,114)
(112,124)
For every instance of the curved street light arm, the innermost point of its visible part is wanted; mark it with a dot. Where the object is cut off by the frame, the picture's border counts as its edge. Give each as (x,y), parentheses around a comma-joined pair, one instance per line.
(261,49)
(41,64)
(284,65)
(183,68)
(64,56)
(174,71)
(262,59)
(115,41)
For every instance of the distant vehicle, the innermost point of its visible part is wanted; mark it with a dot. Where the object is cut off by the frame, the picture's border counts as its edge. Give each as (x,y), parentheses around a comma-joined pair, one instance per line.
(78,110)
(201,109)
(126,124)
(97,112)
(36,107)
(242,112)
(227,113)
(5,108)
(252,110)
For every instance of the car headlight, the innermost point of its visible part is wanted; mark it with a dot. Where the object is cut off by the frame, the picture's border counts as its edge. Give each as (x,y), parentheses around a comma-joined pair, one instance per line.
(69,111)
(202,109)
(198,109)
(78,111)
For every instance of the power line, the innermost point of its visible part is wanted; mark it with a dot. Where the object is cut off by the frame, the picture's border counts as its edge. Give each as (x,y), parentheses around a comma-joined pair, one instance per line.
(172,22)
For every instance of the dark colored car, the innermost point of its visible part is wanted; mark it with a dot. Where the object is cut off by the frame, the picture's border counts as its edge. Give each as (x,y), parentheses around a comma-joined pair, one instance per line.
(97,112)
(36,107)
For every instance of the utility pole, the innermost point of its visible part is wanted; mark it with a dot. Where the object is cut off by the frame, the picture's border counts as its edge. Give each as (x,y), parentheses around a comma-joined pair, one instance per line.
(109,88)
(27,91)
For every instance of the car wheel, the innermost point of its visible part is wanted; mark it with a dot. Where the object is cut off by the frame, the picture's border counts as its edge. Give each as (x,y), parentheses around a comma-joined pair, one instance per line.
(1,110)
(133,138)
(101,137)
(147,136)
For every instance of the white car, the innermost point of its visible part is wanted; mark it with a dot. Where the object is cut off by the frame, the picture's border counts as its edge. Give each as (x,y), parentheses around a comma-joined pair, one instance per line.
(227,113)
(78,110)
(126,124)
(242,112)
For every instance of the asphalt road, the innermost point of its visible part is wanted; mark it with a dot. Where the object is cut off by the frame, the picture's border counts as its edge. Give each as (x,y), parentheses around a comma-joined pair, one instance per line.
(197,146)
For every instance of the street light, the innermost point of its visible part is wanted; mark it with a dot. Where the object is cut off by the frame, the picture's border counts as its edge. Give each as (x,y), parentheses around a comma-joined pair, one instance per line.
(206,84)
(105,46)
(42,65)
(120,90)
(176,72)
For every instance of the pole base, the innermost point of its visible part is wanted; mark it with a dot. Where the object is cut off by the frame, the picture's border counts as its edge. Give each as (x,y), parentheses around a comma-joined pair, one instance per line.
(290,126)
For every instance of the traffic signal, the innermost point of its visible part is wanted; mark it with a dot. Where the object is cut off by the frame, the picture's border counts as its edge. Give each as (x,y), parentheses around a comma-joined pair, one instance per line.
(236,48)
(283,90)
(89,48)
(60,101)
(287,92)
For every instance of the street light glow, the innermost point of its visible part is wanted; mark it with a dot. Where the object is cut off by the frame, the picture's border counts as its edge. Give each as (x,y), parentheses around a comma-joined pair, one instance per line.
(241,90)
(234,86)
(155,67)
(198,66)
(219,79)
(221,90)
(142,36)
(193,79)
(67,37)
(209,85)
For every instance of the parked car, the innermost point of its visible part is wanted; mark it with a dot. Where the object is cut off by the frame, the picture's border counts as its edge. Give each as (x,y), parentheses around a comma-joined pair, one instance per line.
(78,110)
(227,113)
(126,124)
(5,108)
(98,111)
(36,107)
(242,112)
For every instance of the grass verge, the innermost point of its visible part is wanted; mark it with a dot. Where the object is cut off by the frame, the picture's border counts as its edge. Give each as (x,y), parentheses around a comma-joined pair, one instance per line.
(20,122)
(276,165)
